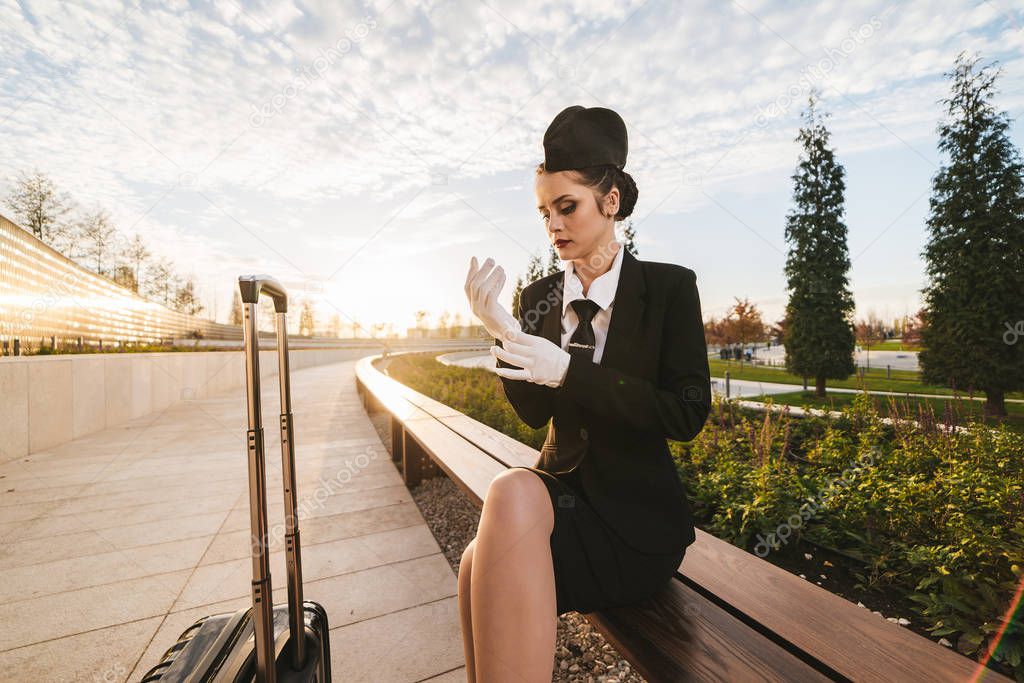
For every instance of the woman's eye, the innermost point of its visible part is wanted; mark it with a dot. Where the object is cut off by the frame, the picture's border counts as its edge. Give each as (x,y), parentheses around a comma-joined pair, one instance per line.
(569,208)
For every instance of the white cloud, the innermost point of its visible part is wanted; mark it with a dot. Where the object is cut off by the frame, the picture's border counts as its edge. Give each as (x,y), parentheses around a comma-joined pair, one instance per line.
(364,103)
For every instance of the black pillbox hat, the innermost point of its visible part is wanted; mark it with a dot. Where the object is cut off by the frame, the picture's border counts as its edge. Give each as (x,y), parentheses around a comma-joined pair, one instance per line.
(585,136)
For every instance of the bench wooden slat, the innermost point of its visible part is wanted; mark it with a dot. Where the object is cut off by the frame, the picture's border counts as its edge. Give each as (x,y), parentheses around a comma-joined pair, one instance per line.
(702,642)
(385,391)
(809,617)
(469,468)
(509,452)
(422,401)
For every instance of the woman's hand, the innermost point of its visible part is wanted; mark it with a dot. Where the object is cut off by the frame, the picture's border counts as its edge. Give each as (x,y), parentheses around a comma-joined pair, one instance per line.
(541,360)
(482,289)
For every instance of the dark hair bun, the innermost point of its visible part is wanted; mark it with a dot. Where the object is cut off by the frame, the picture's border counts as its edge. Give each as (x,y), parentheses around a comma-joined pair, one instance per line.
(627,194)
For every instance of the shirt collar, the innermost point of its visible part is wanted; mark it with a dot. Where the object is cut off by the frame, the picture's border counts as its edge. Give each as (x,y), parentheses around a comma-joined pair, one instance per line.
(602,289)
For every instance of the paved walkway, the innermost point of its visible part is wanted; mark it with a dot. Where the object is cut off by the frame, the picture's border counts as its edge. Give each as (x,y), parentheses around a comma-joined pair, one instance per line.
(738,388)
(112,544)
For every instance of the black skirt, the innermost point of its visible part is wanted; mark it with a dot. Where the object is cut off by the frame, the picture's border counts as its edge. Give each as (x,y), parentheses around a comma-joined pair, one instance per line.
(594,568)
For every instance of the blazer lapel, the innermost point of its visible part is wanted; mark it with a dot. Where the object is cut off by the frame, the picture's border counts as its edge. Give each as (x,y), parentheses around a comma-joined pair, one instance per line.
(627,311)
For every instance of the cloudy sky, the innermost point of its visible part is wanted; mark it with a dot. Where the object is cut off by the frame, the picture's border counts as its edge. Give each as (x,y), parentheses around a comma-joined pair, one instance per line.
(363,152)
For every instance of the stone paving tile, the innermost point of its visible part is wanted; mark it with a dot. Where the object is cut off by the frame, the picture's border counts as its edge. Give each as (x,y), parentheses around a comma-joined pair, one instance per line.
(232,545)
(139,495)
(112,544)
(453,676)
(33,489)
(58,525)
(61,576)
(214,582)
(401,647)
(105,654)
(83,540)
(64,614)
(336,504)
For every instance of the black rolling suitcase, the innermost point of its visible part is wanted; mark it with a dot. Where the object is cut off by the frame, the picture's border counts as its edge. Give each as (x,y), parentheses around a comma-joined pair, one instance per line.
(222,647)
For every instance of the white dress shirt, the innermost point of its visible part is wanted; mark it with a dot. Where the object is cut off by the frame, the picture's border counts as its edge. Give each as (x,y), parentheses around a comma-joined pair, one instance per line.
(601,292)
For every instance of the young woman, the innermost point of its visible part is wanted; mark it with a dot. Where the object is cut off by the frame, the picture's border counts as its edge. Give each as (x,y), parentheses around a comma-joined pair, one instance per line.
(610,354)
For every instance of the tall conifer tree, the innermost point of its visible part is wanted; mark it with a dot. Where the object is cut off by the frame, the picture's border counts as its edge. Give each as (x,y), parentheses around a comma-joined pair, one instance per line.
(975,251)
(819,335)
(554,263)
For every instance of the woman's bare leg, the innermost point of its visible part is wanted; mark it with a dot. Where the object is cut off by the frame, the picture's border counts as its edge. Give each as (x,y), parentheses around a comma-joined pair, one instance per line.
(512,589)
(465,572)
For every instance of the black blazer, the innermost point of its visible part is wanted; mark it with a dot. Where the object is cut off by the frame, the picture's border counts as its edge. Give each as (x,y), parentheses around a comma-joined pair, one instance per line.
(611,420)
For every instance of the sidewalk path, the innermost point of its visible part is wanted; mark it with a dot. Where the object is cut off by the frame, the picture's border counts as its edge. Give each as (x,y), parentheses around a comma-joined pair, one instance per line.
(737,387)
(112,544)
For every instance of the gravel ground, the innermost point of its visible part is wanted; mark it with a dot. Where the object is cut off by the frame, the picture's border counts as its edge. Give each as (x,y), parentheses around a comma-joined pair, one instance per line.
(582,655)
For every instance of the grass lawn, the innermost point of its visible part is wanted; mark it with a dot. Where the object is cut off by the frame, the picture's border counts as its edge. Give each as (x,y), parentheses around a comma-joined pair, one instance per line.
(902,381)
(961,408)
(892,345)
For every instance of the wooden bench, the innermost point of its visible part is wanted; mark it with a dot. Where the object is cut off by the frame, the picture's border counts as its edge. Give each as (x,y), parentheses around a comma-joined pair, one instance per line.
(728,615)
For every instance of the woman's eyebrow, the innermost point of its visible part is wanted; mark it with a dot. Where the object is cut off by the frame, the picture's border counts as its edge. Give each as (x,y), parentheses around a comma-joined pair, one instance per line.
(557,199)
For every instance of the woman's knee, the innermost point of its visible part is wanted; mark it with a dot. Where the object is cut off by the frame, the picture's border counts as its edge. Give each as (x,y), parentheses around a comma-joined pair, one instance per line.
(517,496)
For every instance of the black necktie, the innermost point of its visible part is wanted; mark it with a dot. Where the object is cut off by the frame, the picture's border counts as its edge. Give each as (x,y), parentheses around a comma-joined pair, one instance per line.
(583,343)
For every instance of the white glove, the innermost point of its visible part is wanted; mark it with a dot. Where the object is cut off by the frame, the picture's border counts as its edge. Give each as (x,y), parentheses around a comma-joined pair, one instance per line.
(542,361)
(482,289)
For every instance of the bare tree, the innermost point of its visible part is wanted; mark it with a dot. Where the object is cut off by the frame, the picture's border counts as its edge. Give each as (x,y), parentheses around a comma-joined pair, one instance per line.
(185,299)
(307,321)
(161,280)
(97,234)
(137,255)
(421,319)
(334,326)
(39,206)
(125,276)
(236,317)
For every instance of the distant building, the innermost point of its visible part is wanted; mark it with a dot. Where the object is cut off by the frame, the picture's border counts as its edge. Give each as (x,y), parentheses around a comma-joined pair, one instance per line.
(47,299)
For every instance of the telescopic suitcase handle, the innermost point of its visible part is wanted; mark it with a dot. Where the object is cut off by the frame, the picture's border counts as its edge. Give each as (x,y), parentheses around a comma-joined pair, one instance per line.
(251,287)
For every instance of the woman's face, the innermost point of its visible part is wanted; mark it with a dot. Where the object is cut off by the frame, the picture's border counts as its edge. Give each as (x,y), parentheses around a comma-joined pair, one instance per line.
(571,216)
